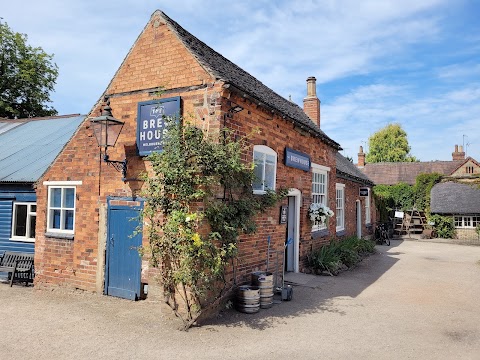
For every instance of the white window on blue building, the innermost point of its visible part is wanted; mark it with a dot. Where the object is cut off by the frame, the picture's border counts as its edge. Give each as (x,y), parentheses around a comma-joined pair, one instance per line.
(24,221)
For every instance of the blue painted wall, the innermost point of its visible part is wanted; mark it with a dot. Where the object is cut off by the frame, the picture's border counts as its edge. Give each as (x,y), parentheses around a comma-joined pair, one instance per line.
(9,194)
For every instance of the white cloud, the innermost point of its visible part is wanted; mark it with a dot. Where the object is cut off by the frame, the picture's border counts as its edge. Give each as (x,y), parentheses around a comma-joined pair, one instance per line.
(434,124)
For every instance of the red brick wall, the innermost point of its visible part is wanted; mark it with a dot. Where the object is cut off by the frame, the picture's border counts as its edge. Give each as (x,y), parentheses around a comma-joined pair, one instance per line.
(277,134)
(352,190)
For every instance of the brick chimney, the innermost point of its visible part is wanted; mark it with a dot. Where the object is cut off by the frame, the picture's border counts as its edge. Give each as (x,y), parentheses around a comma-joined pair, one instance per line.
(311,104)
(458,154)
(361,158)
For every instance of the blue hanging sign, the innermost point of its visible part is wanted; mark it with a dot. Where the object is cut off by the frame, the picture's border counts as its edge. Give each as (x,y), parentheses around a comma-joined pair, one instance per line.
(151,123)
(297,159)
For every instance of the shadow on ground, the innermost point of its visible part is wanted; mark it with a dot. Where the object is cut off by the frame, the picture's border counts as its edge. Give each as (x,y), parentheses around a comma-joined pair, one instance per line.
(316,294)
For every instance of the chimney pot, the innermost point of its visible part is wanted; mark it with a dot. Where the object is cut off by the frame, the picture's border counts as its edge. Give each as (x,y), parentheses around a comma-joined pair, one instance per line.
(311,103)
(361,158)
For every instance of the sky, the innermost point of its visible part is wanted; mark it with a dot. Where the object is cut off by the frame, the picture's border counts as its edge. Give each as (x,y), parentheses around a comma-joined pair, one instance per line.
(412,62)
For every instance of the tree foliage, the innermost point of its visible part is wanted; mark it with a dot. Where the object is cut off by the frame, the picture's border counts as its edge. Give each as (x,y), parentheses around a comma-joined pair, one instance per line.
(422,188)
(389,144)
(27,76)
(198,201)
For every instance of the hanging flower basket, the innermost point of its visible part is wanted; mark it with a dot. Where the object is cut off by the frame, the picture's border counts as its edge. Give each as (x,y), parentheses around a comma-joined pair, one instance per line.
(318,213)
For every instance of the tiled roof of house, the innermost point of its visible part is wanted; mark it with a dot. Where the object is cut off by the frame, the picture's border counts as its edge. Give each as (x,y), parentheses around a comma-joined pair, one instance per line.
(393,173)
(28,148)
(455,198)
(347,168)
(223,69)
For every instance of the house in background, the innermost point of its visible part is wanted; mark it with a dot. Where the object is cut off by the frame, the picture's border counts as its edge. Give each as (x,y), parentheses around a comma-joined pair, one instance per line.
(391,173)
(27,149)
(460,200)
(457,195)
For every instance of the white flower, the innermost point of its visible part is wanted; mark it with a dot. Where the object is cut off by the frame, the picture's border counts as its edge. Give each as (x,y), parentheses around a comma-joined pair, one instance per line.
(319,213)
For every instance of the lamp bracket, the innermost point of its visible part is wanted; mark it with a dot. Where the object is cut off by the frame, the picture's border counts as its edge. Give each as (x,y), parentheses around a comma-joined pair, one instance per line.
(120,166)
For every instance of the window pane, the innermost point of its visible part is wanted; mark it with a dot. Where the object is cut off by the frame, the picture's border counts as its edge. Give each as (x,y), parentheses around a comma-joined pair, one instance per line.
(467,221)
(269,172)
(258,181)
(21,220)
(33,223)
(55,219)
(33,208)
(68,220)
(56,199)
(69,198)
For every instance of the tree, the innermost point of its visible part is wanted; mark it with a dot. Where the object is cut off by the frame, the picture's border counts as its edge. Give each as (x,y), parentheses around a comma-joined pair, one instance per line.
(389,144)
(27,76)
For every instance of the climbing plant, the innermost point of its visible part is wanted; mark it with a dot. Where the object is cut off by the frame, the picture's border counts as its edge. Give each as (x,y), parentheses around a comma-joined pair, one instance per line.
(402,196)
(199,200)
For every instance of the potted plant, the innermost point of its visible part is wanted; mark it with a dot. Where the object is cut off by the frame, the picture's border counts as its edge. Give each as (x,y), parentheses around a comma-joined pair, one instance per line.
(318,213)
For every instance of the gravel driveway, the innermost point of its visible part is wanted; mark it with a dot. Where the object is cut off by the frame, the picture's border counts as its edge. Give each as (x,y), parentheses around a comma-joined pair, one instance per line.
(413,300)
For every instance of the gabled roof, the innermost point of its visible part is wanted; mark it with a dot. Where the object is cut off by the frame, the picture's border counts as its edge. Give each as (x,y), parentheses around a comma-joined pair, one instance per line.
(223,69)
(29,146)
(392,173)
(463,162)
(455,198)
(347,169)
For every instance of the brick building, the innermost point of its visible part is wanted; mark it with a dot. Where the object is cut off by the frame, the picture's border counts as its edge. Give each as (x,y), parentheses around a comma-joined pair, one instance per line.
(85,206)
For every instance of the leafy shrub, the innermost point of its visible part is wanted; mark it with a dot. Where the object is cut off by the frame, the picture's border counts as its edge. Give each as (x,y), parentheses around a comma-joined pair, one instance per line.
(325,259)
(339,253)
(444,226)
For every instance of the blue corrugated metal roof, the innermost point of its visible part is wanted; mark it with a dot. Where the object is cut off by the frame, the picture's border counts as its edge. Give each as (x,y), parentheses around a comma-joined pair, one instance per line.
(28,149)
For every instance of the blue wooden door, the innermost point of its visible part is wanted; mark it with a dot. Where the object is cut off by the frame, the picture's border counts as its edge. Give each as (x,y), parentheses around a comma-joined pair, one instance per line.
(123,267)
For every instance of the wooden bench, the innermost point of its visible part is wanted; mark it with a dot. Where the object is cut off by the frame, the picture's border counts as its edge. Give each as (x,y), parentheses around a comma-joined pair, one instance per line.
(19,266)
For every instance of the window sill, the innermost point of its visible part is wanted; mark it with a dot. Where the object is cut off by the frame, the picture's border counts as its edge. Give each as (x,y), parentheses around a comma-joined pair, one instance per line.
(342,232)
(368,225)
(25,240)
(59,235)
(320,233)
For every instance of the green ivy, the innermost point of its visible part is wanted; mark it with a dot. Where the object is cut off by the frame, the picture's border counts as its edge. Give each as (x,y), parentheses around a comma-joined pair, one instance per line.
(198,201)
(404,197)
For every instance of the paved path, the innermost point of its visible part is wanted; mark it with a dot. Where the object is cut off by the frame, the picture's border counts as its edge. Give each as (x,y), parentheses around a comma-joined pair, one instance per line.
(413,300)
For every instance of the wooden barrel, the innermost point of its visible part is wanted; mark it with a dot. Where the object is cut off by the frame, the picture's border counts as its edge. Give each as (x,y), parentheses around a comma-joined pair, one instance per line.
(264,281)
(248,299)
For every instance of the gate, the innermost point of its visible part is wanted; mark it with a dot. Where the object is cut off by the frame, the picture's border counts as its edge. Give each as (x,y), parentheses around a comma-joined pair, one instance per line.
(123,262)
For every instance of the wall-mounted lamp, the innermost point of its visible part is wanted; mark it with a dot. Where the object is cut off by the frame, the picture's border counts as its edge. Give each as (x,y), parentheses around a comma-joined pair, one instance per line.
(107,129)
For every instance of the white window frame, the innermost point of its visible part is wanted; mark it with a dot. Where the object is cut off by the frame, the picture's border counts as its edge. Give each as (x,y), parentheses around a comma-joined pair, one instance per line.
(472,221)
(321,170)
(30,214)
(340,206)
(265,150)
(61,185)
(368,215)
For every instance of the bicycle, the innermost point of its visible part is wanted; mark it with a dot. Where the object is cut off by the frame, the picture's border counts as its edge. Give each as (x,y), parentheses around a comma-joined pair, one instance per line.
(381,234)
